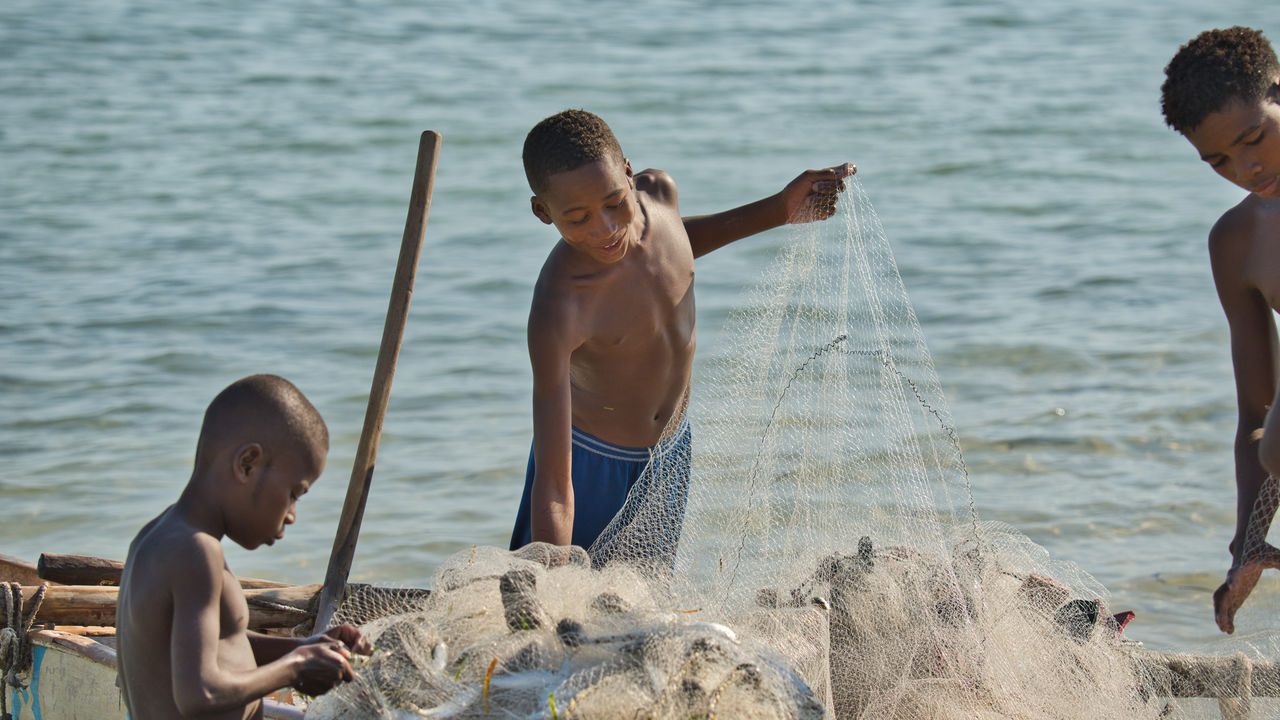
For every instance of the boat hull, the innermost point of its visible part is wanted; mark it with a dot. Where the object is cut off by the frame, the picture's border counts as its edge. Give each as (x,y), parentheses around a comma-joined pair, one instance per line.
(73,677)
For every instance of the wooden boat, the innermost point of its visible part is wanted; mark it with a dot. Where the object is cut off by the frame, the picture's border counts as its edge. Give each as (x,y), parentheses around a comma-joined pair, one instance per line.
(69,661)
(67,665)
(71,673)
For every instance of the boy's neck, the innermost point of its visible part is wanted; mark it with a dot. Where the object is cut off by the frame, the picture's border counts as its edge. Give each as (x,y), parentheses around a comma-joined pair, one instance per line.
(200,507)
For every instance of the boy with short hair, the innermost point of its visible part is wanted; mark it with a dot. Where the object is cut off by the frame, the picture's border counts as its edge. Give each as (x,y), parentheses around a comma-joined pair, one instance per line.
(1222,92)
(611,326)
(182,621)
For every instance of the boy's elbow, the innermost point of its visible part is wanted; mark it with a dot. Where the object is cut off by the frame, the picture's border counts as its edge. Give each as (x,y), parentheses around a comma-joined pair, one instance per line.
(200,699)
(192,703)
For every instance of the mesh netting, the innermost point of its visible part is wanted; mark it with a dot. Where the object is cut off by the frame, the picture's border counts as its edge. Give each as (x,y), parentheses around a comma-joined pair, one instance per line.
(1260,518)
(830,561)
(540,633)
(1256,555)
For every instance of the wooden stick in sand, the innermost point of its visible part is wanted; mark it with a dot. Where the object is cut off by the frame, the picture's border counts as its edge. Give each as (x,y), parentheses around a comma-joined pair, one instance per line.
(344,542)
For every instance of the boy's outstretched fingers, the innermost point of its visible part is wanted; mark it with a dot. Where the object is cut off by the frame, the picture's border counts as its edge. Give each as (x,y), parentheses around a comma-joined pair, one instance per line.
(832,179)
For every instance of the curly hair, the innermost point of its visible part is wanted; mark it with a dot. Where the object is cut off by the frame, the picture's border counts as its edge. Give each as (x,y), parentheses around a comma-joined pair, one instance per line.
(1218,66)
(566,141)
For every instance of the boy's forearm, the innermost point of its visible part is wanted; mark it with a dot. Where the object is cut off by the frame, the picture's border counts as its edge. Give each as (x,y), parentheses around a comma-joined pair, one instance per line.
(551,518)
(269,648)
(222,691)
(1250,475)
(551,497)
(710,232)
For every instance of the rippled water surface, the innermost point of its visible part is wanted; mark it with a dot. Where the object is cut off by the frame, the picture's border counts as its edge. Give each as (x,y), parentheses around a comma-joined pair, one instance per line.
(193,193)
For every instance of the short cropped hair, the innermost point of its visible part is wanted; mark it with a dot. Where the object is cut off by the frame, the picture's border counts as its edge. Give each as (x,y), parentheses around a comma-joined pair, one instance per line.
(1212,70)
(267,409)
(566,141)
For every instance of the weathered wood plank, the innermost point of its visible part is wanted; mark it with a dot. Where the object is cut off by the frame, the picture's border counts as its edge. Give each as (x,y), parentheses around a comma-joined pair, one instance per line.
(13,569)
(89,570)
(280,607)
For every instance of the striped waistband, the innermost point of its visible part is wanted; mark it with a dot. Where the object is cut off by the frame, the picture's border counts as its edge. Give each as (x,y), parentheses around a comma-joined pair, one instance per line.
(607,449)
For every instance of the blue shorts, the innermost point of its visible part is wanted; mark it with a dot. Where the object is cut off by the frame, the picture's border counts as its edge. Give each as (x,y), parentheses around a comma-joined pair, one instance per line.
(603,475)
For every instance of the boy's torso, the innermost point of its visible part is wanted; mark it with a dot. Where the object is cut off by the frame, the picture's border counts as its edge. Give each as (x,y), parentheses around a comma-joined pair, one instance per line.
(636,321)
(1255,225)
(145,620)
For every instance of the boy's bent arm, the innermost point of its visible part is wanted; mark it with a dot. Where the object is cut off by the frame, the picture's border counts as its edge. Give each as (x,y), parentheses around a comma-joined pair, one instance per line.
(811,196)
(551,501)
(200,685)
(1253,359)
(200,682)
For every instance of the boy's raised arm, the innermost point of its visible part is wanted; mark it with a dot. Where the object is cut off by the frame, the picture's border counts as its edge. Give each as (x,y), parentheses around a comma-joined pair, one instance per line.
(551,502)
(811,196)
(200,683)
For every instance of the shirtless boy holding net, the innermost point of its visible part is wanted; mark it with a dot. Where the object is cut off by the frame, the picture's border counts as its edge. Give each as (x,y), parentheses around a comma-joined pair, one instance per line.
(611,327)
(1222,92)
(182,622)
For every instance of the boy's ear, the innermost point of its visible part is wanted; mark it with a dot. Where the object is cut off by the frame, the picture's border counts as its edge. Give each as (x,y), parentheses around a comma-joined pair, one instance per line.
(247,464)
(539,209)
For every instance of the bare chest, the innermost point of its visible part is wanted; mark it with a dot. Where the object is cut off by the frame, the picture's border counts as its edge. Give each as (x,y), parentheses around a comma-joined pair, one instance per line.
(652,302)
(235,609)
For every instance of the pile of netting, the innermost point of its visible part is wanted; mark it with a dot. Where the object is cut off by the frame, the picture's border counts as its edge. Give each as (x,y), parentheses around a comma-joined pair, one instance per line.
(540,633)
(830,561)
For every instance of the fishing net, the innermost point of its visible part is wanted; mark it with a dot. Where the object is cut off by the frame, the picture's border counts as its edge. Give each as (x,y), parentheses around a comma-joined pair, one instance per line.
(1260,519)
(541,633)
(830,561)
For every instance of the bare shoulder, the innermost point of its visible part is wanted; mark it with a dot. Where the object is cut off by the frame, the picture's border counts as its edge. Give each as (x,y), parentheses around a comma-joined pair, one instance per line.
(1234,231)
(140,540)
(557,297)
(1243,242)
(657,184)
(173,553)
(169,564)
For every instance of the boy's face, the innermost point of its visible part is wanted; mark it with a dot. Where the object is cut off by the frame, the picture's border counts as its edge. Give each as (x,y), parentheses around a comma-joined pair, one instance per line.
(1241,142)
(593,207)
(274,495)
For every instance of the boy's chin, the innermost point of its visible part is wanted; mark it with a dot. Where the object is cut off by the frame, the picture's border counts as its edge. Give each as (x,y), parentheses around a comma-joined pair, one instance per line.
(253,544)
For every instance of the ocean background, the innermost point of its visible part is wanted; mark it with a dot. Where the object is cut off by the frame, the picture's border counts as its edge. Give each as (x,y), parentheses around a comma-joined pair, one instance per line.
(191,193)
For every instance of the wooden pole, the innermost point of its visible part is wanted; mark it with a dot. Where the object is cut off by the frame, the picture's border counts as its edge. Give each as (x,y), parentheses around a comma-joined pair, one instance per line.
(79,569)
(344,542)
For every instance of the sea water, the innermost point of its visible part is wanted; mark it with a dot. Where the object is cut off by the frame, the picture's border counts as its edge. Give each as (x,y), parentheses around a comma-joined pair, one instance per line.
(194,193)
